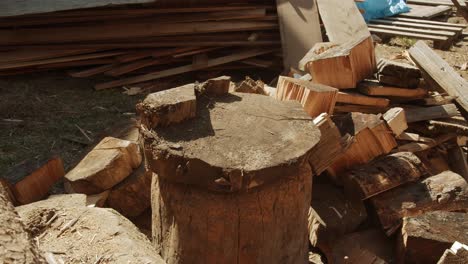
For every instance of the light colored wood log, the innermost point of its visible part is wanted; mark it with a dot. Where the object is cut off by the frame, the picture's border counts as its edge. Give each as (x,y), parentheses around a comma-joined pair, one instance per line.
(216,86)
(110,162)
(353,60)
(446,191)
(396,120)
(424,238)
(315,98)
(32,180)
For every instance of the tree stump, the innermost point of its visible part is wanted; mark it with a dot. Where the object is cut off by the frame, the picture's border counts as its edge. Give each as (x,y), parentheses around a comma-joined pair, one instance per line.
(233,184)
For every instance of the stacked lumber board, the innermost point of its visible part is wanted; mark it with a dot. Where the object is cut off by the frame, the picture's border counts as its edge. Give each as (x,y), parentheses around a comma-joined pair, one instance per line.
(443,34)
(139,43)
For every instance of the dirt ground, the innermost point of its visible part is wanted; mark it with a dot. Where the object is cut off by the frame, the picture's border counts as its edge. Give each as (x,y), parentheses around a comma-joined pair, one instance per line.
(41,114)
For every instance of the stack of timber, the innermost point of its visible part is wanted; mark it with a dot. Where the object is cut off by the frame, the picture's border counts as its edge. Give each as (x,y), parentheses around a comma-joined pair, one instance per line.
(138,43)
(442,34)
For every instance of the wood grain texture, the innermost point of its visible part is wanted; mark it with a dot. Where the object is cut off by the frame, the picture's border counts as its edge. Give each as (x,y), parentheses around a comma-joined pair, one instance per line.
(440,74)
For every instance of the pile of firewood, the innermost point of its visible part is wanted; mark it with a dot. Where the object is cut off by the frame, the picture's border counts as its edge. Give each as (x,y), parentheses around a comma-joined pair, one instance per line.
(139,43)
(228,167)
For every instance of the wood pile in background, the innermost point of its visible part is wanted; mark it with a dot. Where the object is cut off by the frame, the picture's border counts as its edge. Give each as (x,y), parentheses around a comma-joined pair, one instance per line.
(140,43)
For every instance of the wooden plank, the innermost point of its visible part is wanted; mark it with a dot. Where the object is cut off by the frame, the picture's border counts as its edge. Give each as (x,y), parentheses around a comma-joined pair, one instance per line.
(429,22)
(133,66)
(92,71)
(299,28)
(427,113)
(415,25)
(440,74)
(236,56)
(359,99)
(33,55)
(59,60)
(421,11)
(434,2)
(342,20)
(414,30)
(106,32)
(23,7)
(406,34)
(375,89)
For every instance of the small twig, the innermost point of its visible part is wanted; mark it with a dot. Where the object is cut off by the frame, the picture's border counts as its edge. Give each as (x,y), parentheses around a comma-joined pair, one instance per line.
(68,225)
(84,133)
(98,260)
(92,239)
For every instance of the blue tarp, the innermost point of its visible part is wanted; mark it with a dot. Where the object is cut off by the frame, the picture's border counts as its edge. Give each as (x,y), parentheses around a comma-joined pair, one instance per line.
(382,8)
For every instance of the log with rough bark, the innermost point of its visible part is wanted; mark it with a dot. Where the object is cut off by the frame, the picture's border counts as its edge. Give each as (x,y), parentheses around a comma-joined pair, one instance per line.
(168,107)
(369,246)
(398,82)
(330,146)
(424,238)
(383,174)
(398,69)
(15,243)
(109,163)
(351,62)
(242,154)
(360,99)
(446,191)
(332,215)
(315,98)
(31,181)
(372,138)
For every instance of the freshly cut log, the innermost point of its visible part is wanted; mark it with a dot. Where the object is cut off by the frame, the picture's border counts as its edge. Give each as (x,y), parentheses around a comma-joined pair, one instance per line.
(32,180)
(417,114)
(216,86)
(440,75)
(396,120)
(331,216)
(457,254)
(168,107)
(132,196)
(372,138)
(446,191)
(330,146)
(315,98)
(351,62)
(242,154)
(359,99)
(110,162)
(398,69)
(383,174)
(369,246)
(376,89)
(15,246)
(424,238)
